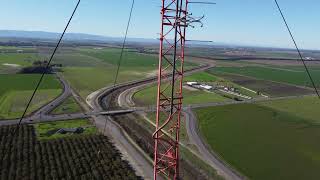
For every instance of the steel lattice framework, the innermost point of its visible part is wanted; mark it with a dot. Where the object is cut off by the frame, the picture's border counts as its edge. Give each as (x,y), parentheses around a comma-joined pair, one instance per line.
(170,78)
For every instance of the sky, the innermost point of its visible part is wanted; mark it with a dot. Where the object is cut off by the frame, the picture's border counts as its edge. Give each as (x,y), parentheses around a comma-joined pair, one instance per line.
(239,22)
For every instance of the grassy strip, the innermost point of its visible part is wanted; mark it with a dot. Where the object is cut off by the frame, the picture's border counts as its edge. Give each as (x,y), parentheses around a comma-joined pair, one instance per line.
(68,106)
(200,164)
(43,128)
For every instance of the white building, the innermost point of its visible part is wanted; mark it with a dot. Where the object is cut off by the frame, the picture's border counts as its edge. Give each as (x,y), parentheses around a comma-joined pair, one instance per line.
(192,83)
(206,87)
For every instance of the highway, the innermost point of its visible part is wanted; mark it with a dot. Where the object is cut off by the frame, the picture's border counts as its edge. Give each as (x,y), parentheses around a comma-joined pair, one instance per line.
(125,100)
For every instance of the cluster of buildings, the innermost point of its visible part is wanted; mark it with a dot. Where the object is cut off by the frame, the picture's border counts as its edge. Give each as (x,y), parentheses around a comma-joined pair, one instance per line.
(221,88)
(200,86)
(210,87)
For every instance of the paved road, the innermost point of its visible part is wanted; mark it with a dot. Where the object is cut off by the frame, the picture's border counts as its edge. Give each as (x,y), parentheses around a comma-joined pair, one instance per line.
(56,102)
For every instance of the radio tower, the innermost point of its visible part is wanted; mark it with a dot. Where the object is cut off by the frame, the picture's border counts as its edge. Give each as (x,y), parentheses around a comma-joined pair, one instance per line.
(174,21)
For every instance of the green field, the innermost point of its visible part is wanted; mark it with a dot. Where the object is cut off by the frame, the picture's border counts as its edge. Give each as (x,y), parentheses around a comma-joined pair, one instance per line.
(16,89)
(130,59)
(68,106)
(13,103)
(103,65)
(292,76)
(43,128)
(5,49)
(201,77)
(22,59)
(305,107)
(147,96)
(263,143)
(11,62)
(77,59)
(86,80)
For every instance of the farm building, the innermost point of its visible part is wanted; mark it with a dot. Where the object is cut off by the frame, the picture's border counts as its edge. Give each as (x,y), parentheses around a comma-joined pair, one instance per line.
(206,87)
(192,83)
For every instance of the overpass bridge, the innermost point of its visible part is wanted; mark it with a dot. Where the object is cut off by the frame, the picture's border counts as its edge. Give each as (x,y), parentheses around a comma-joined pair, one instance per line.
(38,118)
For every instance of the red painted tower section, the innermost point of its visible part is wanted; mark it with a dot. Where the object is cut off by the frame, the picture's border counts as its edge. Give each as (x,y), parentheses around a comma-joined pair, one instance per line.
(170,78)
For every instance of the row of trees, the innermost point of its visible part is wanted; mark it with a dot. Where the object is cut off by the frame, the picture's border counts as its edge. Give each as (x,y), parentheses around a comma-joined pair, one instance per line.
(83,157)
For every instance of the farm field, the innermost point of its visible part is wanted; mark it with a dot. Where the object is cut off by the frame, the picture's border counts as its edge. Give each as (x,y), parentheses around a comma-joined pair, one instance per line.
(103,65)
(79,157)
(68,106)
(13,103)
(282,63)
(12,62)
(291,76)
(273,89)
(89,79)
(76,59)
(201,77)
(261,142)
(43,129)
(217,53)
(13,49)
(22,59)
(16,90)
(304,107)
(131,58)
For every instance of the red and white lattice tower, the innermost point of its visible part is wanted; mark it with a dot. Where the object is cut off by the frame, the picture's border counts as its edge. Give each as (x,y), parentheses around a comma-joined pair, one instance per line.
(170,78)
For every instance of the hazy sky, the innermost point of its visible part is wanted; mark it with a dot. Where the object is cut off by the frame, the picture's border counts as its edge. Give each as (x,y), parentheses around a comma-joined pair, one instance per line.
(247,22)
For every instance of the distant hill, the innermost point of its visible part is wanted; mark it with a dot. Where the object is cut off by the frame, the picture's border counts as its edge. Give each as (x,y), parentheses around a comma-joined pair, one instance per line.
(68,36)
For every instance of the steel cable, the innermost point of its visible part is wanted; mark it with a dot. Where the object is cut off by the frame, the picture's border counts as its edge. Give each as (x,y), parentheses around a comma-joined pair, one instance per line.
(297,48)
(12,133)
(121,53)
